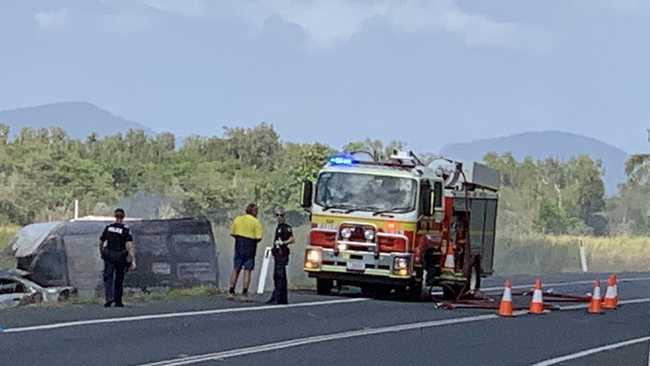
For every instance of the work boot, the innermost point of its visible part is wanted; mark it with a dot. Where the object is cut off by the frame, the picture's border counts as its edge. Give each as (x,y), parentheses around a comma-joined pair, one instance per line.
(271,302)
(108,304)
(119,305)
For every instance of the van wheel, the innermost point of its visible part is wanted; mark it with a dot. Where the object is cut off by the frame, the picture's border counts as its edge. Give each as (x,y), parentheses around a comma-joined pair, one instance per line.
(323,286)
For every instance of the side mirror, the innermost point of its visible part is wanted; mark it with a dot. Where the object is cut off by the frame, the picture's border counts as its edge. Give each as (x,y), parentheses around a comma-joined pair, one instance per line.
(437,192)
(307,190)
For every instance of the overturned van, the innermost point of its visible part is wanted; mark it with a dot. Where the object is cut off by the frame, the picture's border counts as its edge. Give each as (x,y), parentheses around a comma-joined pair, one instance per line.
(170,253)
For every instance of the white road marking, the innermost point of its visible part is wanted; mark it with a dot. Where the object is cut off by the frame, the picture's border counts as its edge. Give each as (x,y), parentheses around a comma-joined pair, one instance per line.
(560,284)
(318,339)
(592,351)
(177,315)
(342,335)
(266,307)
(622,302)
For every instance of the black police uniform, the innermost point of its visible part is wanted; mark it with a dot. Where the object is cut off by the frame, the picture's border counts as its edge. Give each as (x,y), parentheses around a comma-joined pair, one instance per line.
(280,259)
(115,260)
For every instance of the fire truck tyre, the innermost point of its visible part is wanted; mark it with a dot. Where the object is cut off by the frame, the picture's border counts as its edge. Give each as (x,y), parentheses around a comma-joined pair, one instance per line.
(475,278)
(451,292)
(414,291)
(324,286)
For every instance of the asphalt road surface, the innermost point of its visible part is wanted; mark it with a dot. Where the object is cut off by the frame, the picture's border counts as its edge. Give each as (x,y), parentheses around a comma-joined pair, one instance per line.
(334,330)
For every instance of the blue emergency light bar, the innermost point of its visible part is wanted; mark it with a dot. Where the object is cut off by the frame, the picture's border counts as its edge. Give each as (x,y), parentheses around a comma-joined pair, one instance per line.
(342,159)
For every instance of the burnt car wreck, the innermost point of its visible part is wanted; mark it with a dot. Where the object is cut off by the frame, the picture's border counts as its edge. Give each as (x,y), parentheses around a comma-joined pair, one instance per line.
(17,290)
(170,254)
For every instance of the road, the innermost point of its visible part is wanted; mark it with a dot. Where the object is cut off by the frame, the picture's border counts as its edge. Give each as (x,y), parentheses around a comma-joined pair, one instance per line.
(344,330)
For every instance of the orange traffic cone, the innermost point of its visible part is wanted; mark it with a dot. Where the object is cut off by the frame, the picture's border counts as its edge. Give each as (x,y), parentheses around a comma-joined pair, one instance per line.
(505,308)
(596,305)
(537,304)
(611,296)
(450,261)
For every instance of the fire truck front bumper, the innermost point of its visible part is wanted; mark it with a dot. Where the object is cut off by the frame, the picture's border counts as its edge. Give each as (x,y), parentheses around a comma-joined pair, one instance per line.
(359,265)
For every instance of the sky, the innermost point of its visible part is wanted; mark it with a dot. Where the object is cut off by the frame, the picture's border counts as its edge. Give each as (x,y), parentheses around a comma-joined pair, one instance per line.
(426,72)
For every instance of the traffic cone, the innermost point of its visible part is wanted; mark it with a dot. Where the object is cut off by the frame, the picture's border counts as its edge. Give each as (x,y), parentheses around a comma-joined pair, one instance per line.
(537,304)
(505,308)
(611,296)
(596,305)
(450,261)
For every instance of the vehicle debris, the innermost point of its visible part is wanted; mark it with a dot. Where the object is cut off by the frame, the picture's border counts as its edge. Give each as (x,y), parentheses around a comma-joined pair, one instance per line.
(17,290)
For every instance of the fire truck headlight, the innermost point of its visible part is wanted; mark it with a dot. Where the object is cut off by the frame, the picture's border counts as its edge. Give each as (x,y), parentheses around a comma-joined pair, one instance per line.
(400,266)
(346,233)
(369,235)
(313,258)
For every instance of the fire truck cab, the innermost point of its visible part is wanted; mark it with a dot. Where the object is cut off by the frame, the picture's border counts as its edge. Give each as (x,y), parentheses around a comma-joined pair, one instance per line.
(400,225)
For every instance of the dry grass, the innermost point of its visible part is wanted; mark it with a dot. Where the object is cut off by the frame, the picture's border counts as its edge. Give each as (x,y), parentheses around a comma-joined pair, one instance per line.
(6,234)
(169,294)
(539,254)
(524,254)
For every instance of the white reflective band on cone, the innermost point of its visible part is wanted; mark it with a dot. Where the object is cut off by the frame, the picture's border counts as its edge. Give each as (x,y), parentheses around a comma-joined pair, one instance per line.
(537,296)
(507,295)
(596,295)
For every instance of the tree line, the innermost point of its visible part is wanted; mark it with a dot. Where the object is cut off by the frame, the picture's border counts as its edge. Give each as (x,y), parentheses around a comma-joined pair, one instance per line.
(42,172)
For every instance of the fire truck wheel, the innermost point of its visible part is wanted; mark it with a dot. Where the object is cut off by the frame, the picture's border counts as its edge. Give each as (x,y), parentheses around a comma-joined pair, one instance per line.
(414,291)
(324,286)
(451,292)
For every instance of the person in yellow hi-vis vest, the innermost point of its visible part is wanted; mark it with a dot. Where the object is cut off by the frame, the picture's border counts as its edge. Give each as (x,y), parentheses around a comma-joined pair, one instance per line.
(247,231)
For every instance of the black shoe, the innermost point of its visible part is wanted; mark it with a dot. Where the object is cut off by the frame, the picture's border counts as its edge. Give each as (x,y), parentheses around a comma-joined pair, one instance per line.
(119,305)
(271,302)
(108,304)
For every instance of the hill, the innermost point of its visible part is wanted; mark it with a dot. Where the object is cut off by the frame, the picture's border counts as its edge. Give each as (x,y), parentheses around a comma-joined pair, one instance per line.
(78,119)
(544,144)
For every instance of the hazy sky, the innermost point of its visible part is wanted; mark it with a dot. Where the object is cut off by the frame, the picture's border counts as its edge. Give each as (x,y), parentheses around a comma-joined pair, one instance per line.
(424,72)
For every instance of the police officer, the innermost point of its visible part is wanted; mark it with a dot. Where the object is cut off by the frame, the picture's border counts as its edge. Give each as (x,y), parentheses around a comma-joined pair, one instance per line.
(118,252)
(283,238)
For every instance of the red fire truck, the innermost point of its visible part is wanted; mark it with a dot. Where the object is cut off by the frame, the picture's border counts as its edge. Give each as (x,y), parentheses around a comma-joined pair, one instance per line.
(400,224)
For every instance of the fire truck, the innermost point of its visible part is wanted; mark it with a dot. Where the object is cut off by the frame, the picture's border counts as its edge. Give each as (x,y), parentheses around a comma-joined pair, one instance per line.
(400,225)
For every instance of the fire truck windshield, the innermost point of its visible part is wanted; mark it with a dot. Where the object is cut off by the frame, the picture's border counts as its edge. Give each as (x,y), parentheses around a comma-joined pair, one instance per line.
(365,192)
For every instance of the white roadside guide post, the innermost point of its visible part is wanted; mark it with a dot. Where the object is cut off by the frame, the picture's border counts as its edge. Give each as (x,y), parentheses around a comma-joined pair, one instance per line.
(583,257)
(76,209)
(265,270)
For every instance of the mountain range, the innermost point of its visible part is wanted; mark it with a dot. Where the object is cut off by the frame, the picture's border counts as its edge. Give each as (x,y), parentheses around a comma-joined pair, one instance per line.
(545,144)
(80,119)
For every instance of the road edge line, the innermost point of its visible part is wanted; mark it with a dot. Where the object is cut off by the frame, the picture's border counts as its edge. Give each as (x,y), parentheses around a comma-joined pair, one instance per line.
(562,284)
(621,302)
(591,351)
(175,315)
